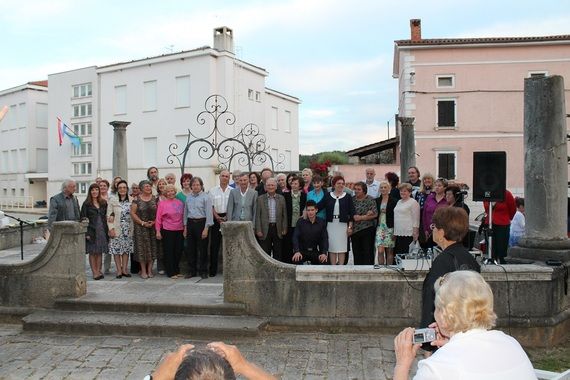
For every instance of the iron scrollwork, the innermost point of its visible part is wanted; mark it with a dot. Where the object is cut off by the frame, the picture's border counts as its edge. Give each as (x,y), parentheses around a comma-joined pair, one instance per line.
(248,148)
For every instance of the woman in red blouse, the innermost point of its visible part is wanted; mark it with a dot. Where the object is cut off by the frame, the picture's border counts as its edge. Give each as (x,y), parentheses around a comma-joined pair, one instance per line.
(503,213)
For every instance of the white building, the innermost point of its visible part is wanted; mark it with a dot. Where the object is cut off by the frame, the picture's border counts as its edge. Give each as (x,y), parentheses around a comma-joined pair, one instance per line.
(23,144)
(161,97)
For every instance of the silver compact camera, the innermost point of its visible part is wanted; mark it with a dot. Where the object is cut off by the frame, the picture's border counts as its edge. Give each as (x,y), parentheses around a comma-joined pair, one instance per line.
(424,336)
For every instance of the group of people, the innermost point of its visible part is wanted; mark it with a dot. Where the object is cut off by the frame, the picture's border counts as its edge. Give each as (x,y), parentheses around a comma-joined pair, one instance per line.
(297,218)
(152,221)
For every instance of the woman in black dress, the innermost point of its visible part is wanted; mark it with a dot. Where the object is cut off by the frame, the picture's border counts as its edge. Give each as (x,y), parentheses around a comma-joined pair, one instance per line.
(97,237)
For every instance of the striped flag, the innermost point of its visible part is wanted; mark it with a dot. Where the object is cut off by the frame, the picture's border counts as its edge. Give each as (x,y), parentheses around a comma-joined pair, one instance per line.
(60,131)
(3,112)
(63,129)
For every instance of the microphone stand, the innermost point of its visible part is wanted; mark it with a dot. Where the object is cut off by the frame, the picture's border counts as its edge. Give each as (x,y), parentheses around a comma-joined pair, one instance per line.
(489,259)
(22,222)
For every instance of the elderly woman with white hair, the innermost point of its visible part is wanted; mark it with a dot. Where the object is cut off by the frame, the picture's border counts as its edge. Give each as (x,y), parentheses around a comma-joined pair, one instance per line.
(468,347)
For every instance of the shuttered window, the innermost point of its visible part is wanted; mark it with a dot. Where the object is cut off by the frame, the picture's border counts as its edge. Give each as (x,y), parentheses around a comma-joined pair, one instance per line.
(446,113)
(446,165)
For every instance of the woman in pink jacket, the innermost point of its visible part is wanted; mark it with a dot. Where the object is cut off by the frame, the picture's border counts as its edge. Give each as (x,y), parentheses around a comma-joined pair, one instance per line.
(169,228)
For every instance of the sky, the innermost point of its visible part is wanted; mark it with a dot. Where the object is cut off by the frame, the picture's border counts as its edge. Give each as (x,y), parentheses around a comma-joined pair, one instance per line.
(334,55)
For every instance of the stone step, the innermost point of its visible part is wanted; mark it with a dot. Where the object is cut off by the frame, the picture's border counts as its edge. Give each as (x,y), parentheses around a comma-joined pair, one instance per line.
(207,307)
(141,324)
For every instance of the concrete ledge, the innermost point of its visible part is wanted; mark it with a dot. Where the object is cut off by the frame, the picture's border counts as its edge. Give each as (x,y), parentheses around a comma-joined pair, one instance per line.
(10,236)
(58,271)
(529,298)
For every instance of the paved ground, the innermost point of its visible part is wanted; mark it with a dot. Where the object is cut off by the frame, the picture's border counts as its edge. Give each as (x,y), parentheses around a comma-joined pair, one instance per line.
(290,355)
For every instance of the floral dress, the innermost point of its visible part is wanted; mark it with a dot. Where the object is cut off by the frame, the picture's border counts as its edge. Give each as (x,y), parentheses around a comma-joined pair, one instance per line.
(384,234)
(145,237)
(123,243)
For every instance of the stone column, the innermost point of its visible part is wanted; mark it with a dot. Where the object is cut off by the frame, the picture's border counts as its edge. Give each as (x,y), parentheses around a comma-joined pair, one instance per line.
(407,146)
(546,171)
(120,166)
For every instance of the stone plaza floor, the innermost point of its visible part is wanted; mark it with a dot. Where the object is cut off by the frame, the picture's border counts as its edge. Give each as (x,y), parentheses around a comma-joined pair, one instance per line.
(288,355)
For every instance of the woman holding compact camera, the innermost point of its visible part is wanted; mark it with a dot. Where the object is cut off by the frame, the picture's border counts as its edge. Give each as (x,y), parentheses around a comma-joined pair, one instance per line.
(468,347)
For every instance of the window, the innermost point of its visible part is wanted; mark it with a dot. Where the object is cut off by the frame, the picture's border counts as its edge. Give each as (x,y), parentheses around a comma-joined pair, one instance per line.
(446,113)
(446,164)
(11,116)
(445,81)
(274,117)
(182,92)
(250,94)
(22,116)
(149,151)
(82,129)
(5,192)
(149,96)
(41,115)
(42,160)
(287,122)
(287,163)
(275,155)
(5,161)
(14,160)
(82,187)
(23,161)
(82,90)
(257,96)
(120,100)
(82,168)
(82,110)
(21,192)
(85,149)
(537,74)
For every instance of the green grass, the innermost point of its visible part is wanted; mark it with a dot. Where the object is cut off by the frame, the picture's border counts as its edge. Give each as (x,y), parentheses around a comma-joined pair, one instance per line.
(555,359)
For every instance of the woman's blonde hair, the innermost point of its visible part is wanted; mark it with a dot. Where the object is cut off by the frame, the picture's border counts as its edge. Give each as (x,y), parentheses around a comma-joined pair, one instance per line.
(169,187)
(464,301)
(426,175)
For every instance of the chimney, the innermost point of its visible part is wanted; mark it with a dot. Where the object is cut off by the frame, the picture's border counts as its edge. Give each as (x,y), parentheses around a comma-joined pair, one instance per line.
(224,39)
(416,29)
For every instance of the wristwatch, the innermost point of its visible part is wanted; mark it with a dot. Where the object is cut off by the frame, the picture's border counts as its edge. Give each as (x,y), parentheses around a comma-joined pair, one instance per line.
(148,377)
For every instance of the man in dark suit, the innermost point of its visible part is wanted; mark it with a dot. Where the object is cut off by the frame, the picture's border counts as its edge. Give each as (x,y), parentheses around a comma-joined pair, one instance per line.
(64,206)
(295,205)
(242,201)
(271,220)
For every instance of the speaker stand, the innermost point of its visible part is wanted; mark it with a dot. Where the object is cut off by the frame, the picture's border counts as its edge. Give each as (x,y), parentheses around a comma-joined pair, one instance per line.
(489,259)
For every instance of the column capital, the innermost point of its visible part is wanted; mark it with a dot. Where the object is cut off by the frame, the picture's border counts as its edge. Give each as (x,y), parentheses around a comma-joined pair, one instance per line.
(406,121)
(119,124)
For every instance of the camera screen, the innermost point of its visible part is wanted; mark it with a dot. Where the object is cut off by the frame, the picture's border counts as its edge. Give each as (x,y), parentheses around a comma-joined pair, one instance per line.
(419,336)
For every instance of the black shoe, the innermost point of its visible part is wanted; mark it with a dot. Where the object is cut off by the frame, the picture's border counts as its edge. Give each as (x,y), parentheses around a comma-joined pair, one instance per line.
(118,276)
(212,275)
(189,275)
(126,275)
(204,276)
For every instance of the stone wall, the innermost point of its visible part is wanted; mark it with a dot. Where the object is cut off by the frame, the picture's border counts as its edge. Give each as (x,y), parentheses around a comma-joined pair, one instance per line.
(529,299)
(58,271)
(10,236)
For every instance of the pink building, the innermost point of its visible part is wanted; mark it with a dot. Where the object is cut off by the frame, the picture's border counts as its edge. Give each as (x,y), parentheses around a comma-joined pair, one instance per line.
(466,95)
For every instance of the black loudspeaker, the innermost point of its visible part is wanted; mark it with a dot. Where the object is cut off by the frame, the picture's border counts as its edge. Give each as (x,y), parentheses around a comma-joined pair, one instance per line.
(489,176)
